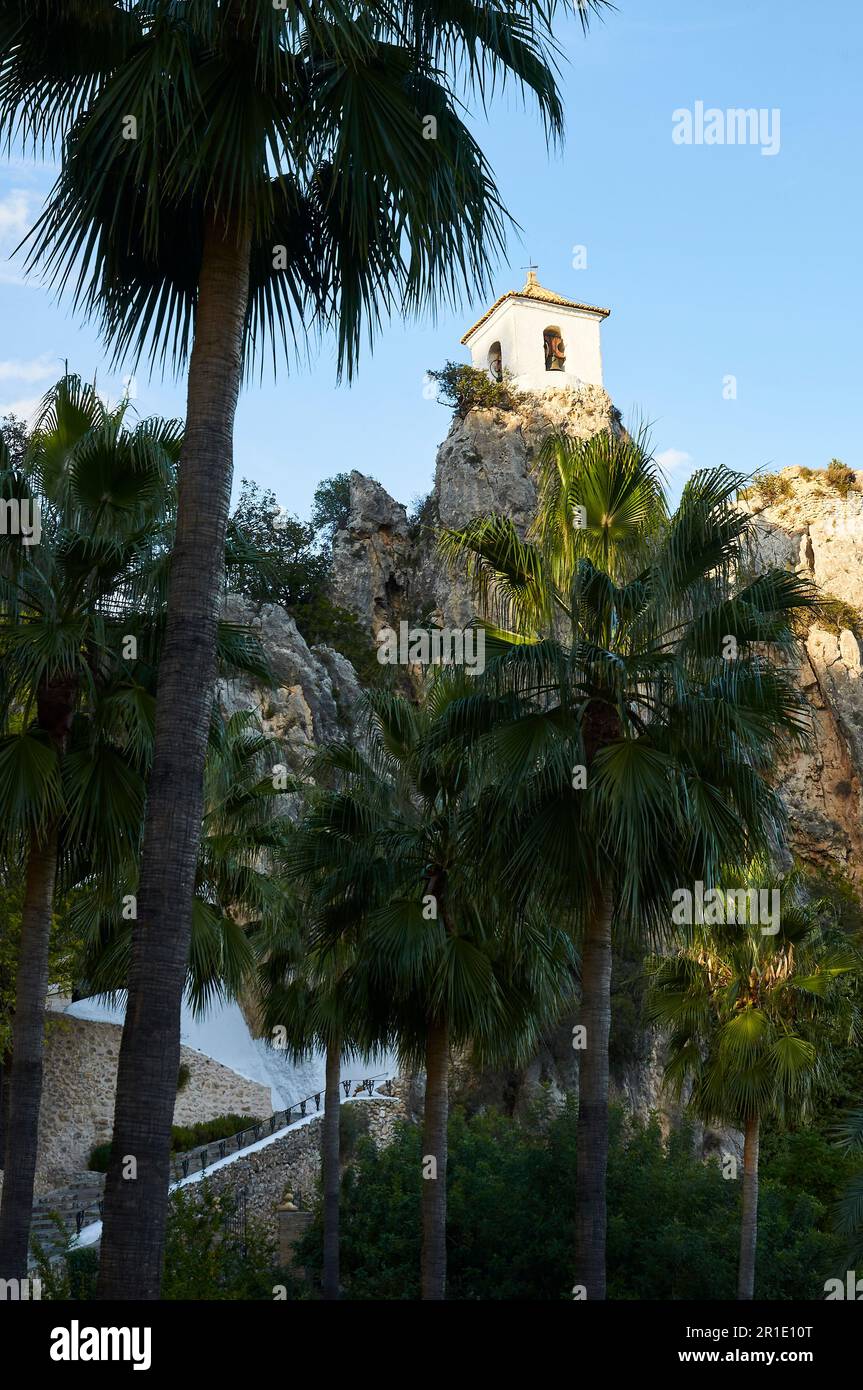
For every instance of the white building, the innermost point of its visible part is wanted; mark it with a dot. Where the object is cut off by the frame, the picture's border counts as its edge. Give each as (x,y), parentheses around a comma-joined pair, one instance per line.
(541,338)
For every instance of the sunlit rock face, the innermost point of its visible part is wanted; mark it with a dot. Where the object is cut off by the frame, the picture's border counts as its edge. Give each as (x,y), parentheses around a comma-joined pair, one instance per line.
(812,527)
(387,569)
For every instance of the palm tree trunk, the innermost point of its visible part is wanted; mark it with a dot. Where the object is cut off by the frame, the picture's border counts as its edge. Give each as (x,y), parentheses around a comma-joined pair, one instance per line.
(5,1072)
(136,1210)
(435,1116)
(592,1136)
(25,1080)
(330,1158)
(749,1221)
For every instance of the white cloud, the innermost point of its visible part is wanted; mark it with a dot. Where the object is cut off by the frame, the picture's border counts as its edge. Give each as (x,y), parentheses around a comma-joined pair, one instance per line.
(672,460)
(25,408)
(48,367)
(15,214)
(18,211)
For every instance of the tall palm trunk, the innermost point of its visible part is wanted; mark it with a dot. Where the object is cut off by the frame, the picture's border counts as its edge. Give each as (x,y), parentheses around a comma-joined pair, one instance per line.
(749,1221)
(136,1206)
(330,1160)
(592,1135)
(435,1116)
(25,1080)
(5,1072)
(55,707)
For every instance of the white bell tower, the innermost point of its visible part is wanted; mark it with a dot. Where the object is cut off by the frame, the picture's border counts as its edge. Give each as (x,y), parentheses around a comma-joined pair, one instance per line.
(542,339)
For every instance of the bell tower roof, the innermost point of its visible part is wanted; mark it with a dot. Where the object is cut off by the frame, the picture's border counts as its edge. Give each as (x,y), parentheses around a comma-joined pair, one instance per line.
(533,290)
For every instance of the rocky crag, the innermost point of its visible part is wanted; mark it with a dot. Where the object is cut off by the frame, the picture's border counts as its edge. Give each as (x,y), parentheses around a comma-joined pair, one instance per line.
(803,522)
(386,569)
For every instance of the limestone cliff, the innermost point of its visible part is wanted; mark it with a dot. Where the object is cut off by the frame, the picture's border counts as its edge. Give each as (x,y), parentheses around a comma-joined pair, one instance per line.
(803,522)
(315,688)
(386,569)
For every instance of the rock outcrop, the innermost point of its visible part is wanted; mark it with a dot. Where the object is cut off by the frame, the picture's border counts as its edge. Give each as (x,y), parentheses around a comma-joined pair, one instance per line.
(804,523)
(387,569)
(315,688)
(801,522)
(371,556)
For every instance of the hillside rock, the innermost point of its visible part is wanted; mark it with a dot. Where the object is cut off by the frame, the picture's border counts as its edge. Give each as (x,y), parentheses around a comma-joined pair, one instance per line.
(385,571)
(803,523)
(371,555)
(315,690)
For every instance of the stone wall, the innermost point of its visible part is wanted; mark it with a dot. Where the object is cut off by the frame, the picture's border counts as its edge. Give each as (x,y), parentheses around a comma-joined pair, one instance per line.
(78,1094)
(293,1163)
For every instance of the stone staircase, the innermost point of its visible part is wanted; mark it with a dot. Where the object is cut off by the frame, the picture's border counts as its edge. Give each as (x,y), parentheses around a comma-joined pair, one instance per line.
(64,1202)
(83,1194)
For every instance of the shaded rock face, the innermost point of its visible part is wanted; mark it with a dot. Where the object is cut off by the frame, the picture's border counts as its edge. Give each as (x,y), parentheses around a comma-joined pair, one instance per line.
(372,555)
(315,690)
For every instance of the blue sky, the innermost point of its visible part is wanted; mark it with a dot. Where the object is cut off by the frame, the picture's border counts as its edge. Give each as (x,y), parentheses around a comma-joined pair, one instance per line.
(716,261)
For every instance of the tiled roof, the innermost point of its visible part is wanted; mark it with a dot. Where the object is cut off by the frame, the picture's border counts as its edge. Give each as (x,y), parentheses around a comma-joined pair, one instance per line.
(534,290)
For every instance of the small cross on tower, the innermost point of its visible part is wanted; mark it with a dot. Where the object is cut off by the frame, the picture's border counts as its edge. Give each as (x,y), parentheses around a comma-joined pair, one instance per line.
(531,274)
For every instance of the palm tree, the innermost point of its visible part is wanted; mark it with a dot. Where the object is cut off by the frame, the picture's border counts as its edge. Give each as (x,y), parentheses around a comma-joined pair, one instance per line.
(849,1208)
(398,837)
(81,620)
(637,756)
(309,994)
(238,895)
(71,709)
(231,171)
(755,1016)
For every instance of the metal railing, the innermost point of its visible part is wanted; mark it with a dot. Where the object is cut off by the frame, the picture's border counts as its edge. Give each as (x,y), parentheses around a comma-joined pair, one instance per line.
(197,1160)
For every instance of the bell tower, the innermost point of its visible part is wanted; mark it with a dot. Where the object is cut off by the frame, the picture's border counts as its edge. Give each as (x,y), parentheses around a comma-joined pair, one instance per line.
(542,339)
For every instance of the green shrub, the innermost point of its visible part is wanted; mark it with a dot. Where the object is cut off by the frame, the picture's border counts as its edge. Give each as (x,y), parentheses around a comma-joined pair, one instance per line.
(423,515)
(331,505)
(183,1137)
(323,623)
(769,488)
(673,1229)
(208,1258)
(834,614)
(183,1076)
(467,388)
(82,1266)
(353,1125)
(186,1137)
(840,477)
(100,1157)
(281,560)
